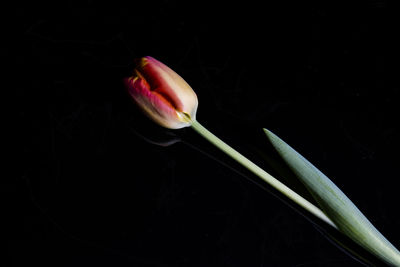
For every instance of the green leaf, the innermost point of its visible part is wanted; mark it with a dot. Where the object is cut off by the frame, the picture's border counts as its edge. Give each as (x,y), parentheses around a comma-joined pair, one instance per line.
(336,205)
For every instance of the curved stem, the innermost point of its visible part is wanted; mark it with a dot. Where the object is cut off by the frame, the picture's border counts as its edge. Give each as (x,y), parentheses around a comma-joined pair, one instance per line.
(261,173)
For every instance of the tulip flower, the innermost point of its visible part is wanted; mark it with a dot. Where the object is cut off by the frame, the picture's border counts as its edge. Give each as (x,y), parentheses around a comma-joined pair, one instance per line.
(169,101)
(163,95)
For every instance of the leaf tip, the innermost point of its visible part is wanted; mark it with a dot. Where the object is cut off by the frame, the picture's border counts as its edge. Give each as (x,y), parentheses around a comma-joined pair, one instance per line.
(269,134)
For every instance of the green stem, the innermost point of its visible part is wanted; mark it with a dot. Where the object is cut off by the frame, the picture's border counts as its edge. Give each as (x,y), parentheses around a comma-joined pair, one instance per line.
(261,173)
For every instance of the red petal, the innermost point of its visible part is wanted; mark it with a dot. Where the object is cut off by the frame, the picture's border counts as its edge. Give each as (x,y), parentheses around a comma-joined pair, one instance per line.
(155,75)
(156,105)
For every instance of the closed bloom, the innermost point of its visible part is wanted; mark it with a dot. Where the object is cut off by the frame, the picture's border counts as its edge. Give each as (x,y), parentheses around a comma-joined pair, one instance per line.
(162,94)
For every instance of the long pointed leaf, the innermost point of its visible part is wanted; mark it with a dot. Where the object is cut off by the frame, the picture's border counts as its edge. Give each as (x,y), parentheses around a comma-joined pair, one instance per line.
(337,206)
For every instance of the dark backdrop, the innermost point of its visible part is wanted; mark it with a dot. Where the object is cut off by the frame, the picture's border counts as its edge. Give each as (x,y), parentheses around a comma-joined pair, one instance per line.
(95,183)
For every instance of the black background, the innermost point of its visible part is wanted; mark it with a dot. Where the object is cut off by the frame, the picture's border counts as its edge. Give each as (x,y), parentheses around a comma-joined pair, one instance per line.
(89,190)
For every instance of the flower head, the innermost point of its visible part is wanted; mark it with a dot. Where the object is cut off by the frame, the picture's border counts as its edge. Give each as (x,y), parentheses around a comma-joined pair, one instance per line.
(162,94)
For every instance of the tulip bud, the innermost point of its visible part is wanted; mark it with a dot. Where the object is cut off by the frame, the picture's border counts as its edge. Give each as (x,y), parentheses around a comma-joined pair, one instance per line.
(162,94)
